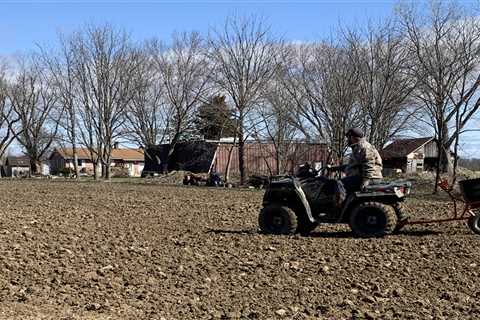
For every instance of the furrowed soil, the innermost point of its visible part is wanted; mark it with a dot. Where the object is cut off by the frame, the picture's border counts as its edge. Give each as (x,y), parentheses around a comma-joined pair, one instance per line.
(133,251)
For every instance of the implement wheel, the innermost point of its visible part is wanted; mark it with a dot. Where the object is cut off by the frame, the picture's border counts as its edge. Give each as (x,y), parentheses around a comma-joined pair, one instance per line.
(474,223)
(276,219)
(373,219)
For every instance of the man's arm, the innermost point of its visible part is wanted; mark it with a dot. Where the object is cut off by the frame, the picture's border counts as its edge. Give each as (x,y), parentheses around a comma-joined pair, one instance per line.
(368,163)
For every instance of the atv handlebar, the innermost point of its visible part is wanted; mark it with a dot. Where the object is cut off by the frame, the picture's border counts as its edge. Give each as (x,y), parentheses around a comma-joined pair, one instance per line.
(335,168)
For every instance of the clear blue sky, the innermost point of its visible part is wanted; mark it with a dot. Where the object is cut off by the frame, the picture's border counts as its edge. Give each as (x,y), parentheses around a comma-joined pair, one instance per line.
(24,24)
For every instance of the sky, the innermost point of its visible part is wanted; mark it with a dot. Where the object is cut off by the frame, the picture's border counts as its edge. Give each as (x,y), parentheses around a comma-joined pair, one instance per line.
(26,24)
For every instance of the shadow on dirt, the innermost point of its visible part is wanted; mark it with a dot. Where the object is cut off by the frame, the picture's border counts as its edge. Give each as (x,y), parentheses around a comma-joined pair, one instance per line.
(330,234)
(326,235)
(221,231)
(419,233)
(349,234)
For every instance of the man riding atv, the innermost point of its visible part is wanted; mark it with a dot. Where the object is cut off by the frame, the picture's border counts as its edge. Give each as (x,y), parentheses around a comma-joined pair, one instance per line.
(297,204)
(365,165)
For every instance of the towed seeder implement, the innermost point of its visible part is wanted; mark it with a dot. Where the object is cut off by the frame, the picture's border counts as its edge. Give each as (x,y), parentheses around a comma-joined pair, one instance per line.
(466,207)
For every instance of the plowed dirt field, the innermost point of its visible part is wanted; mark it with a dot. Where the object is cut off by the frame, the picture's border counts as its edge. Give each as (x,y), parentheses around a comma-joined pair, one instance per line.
(133,251)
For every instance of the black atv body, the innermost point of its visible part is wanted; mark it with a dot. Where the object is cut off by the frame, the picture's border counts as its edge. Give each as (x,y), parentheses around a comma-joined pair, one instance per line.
(293,205)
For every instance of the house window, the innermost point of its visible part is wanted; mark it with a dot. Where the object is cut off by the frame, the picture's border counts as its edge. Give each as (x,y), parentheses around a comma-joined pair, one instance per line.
(79,162)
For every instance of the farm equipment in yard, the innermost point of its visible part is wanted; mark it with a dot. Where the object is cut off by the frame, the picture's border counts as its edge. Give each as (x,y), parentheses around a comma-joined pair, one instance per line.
(292,205)
(469,204)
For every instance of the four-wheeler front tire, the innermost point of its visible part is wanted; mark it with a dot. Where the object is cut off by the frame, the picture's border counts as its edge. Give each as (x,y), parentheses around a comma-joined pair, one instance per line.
(276,219)
(474,223)
(373,219)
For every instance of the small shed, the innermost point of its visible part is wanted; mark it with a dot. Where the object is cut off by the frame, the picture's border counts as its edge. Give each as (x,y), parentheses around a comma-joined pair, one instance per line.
(410,155)
(17,166)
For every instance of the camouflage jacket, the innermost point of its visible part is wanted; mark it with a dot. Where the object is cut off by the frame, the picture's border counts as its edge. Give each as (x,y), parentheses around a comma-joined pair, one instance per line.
(365,161)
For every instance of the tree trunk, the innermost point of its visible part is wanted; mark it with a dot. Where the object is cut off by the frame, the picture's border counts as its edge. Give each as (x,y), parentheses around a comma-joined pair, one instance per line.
(437,169)
(227,168)
(241,153)
(108,171)
(455,162)
(446,163)
(455,149)
(95,170)
(278,164)
(33,167)
(75,161)
(171,150)
(443,160)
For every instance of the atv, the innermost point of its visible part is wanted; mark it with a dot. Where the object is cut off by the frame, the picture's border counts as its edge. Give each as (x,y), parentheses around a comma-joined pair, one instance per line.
(293,204)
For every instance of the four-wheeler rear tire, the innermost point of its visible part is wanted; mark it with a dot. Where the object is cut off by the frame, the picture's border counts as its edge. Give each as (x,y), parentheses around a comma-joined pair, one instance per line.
(373,219)
(474,223)
(276,219)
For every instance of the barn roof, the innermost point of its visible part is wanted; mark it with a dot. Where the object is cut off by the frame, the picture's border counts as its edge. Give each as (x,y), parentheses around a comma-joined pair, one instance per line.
(117,154)
(402,147)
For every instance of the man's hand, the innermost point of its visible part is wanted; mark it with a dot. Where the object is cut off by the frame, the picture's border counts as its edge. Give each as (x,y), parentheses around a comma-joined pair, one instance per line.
(365,184)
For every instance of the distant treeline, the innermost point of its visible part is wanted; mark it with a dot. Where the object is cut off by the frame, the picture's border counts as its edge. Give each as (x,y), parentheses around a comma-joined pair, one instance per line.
(471,164)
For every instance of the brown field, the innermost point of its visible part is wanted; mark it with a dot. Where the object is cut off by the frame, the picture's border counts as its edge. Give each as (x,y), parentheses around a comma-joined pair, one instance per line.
(135,251)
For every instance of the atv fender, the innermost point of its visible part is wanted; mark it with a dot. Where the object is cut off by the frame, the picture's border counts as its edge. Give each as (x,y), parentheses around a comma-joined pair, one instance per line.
(303,198)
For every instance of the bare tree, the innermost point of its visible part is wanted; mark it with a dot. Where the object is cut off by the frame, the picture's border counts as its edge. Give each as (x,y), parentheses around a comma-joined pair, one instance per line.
(384,81)
(245,58)
(35,104)
(62,69)
(446,47)
(105,64)
(276,126)
(182,68)
(8,118)
(323,82)
(148,114)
